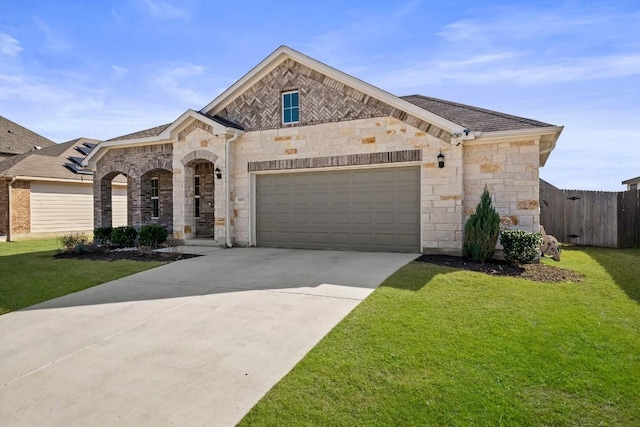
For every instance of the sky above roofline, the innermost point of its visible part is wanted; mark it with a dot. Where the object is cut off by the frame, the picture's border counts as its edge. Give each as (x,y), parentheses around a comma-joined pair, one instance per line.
(103,69)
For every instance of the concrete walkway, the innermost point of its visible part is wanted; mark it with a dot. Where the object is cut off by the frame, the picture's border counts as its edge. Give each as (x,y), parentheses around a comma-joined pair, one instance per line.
(195,342)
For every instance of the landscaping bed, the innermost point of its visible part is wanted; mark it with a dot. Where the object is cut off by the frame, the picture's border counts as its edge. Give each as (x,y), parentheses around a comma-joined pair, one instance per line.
(535,272)
(132,255)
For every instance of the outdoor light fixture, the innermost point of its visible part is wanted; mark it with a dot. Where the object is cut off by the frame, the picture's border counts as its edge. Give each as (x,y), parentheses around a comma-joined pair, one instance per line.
(218,173)
(441,160)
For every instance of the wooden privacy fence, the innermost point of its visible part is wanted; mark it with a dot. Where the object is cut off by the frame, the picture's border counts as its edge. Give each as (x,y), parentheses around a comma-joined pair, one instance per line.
(594,218)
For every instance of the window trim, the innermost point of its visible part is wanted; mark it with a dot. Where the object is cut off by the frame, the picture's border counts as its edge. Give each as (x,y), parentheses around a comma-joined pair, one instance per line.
(155,199)
(292,108)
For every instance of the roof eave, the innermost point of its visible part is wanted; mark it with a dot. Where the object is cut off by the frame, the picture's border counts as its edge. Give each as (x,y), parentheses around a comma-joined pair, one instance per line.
(548,136)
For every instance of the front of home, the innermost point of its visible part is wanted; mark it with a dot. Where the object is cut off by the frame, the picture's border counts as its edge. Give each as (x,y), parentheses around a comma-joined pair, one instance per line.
(298,154)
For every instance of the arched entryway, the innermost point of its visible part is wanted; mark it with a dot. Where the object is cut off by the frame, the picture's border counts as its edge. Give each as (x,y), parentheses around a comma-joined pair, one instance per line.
(113,200)
(200,181)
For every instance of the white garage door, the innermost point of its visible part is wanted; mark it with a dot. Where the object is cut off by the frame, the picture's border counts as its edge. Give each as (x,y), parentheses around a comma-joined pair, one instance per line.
(363,209)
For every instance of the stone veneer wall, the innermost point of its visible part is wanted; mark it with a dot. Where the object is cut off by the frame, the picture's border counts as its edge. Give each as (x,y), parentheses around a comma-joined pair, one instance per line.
(510,172)
(442,189)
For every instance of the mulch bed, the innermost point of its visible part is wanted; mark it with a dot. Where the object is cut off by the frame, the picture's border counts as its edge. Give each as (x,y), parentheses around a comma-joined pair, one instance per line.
(135,255)
(535,272)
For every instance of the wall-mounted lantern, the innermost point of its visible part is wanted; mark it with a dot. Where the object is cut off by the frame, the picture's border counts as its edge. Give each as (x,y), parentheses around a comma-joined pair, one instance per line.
(441,160)
(218,173)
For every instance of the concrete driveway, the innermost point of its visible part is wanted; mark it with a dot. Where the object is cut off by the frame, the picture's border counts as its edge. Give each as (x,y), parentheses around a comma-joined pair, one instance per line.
(195,342)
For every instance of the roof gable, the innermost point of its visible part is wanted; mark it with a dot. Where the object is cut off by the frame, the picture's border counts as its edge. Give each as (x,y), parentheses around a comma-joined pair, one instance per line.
(376,101)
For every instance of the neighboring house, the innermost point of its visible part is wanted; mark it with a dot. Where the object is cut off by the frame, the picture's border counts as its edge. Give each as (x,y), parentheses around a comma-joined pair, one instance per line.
(15,139)
(46,192)
(298,154)
(632,184)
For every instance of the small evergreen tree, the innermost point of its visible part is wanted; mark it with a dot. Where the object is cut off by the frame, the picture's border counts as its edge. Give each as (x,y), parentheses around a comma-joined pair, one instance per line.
(481,231)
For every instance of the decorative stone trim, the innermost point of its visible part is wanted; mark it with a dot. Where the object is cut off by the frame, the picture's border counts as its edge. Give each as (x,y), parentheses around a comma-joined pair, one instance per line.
(197,155)
(332,161)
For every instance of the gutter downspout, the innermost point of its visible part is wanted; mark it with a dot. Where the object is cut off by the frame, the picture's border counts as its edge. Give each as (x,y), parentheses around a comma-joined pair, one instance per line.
(10,223)
(227,187)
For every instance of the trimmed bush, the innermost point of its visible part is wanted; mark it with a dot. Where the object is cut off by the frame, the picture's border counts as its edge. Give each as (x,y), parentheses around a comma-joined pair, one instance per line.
(72,240)
(481,231)
(123,236)
(520,245)
(152,235)
(102,235)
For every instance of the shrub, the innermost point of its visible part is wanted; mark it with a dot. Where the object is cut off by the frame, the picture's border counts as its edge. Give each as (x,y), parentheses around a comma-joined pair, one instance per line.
(520,245)
(123,236)
(71,240)
(152,235)
(102,235)
(481,231)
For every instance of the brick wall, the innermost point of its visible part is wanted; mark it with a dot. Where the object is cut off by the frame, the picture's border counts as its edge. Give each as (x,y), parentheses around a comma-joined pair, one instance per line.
(134,162)
(21,207)
(4,207)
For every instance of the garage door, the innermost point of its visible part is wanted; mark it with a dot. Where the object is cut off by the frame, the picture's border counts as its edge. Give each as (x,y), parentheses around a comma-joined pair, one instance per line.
(364,209)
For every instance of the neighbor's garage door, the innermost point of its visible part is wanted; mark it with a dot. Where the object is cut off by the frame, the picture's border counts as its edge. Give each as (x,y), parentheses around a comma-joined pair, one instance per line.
(364,209)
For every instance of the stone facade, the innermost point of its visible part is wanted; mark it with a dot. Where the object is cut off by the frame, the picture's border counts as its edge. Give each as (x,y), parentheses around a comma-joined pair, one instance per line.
(340,127)
(510,172)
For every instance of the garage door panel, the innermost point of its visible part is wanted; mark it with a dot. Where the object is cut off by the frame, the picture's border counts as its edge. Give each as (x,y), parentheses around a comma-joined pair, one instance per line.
(373,209)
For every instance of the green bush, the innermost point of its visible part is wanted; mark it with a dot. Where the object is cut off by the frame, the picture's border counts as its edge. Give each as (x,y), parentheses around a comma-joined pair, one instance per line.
(123,236)
(481,231)
(152,235)
(102,235)
(71,240)
(520,245)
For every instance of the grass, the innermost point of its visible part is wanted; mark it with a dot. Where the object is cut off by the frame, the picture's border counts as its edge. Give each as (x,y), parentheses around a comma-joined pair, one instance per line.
(29,274)
(435,346)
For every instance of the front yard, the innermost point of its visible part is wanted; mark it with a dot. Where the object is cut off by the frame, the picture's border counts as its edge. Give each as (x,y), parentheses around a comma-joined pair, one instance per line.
(438,346)
(29,274)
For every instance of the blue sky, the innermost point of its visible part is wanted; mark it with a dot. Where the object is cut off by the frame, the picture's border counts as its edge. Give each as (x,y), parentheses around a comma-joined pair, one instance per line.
(101,69)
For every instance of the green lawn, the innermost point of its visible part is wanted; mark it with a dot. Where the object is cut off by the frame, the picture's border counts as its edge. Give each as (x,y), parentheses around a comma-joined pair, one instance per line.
(29,274)
(440,347)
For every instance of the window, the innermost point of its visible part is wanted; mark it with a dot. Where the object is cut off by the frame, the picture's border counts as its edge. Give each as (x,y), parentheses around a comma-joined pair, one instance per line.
(290,107)
(155,202)
(196,192)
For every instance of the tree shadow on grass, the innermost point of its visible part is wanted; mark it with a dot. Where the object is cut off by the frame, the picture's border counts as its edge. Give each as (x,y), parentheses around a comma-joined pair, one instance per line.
(415,276)
(623,265)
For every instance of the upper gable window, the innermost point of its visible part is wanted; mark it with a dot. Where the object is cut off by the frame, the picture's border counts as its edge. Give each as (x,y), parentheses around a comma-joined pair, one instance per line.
(290,107)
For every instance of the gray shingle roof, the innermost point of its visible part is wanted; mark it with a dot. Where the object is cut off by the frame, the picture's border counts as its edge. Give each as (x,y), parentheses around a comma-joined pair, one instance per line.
(46,163)
(474,118)
(155,131)
(16,139)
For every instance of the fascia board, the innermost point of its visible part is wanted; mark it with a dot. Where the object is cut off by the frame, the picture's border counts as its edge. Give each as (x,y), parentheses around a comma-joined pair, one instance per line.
(284,52)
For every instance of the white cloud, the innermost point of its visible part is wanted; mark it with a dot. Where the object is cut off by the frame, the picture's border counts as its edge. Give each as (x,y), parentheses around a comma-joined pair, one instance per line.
(118,72)
(175,82)
(9,46)
(52,39)
(163,9)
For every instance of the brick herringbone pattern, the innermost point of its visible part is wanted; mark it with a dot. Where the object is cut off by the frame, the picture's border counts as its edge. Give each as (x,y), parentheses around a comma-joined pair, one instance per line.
(322,100)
